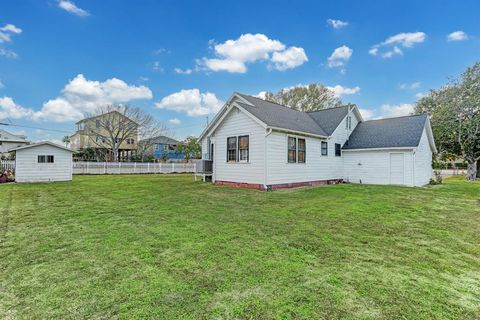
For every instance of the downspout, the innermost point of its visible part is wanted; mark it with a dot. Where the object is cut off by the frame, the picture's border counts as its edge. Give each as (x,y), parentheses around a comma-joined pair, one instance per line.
(413,168)
(265,172)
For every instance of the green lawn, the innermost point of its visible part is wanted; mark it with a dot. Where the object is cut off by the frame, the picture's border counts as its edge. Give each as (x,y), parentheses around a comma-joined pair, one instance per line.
(164,247)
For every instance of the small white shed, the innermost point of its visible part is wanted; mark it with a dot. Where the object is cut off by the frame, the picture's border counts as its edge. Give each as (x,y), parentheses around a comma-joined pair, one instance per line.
(43,162)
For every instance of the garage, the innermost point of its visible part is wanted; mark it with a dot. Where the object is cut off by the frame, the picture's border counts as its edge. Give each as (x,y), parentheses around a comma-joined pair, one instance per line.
(395,151)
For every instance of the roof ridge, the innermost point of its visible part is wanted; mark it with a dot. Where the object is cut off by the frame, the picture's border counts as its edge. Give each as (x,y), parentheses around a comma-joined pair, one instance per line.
(278,104)
(324,109)
(407,116)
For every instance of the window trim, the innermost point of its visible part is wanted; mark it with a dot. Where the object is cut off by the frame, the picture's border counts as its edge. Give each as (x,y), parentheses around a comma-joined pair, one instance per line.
(248,148)
(235,149)
(296,149)
(324,143)
(304,150)
(339,150)
(44,158)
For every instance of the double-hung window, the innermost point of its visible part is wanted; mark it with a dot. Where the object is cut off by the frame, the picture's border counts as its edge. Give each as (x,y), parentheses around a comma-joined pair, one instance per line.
(243,148)
(324,148)
(238,149)
(348,123)
(232,149)
(297,150)
(338,150)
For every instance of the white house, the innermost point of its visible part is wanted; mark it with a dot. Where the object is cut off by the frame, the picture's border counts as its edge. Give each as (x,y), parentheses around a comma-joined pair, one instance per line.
(258,144)
(43,162)
(9,140)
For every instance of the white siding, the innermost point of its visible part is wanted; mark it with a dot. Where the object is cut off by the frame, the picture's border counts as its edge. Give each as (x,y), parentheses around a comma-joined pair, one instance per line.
(27,168)
(373,167)
(204,144)
(423,161)
(237,123)
(316,167)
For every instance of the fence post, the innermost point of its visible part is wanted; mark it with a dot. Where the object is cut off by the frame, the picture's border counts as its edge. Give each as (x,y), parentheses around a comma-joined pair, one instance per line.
(119,167)
(148,167)
(105,168)
(173,167)
(134,167)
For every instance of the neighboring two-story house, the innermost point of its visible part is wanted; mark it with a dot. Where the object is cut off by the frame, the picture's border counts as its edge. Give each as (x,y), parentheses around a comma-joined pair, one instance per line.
(9,141)
(259,144)
(92,134)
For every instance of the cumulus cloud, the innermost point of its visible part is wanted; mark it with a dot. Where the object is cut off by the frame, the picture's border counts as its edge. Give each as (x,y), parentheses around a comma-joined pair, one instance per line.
(391,46)
(70,7)
(413,85)
(457,36)
(9,109)
(367,114)
(7,31)
(396,110)
(341,90)
(339,56)
(234,55)
(175,121)
(192,102)
(261,95)
(81,96)
(289,59)
(337,24)
(183,71)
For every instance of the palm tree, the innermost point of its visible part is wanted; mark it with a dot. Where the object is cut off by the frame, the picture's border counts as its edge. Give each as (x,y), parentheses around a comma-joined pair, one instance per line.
(66,140)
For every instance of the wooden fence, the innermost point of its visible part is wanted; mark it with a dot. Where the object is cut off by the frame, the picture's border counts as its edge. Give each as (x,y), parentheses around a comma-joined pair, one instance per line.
(88,167)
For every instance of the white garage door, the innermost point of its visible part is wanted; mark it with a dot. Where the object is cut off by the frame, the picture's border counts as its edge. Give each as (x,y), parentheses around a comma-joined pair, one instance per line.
(397,168)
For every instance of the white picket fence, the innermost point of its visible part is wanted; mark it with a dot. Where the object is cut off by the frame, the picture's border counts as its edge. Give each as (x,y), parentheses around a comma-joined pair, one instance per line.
(88,167)
(7,165)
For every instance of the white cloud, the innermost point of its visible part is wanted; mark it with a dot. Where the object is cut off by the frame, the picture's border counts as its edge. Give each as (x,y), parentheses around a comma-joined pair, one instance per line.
(405,39)
(367,114)
(289,59)
(144,79)
(183,71)
(7,53)
(9,109)
(337,24)
(261,95)
(175,121)
(81,96)
(394,52)
(413,85)
(233,55)
(457,36)
(339,56)
(192,102)
(341,90)
(398,110)
(70,7)
(7,31)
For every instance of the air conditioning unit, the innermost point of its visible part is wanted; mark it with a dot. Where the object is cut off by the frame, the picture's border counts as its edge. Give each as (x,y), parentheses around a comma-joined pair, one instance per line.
(204,166)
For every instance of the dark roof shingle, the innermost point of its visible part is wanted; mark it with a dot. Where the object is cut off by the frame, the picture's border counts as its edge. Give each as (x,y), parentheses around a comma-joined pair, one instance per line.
(387,133)
(329,119)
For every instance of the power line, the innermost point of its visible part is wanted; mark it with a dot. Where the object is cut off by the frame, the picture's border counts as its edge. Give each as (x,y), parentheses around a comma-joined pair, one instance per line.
(31,127)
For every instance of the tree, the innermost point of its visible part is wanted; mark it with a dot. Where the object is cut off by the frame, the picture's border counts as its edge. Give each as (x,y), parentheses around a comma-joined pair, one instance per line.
(191,148)
(66,140)
(112,125)
(455,117)
(312,97)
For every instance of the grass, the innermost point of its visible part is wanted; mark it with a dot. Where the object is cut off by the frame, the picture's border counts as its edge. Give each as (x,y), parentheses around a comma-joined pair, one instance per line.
(164,247)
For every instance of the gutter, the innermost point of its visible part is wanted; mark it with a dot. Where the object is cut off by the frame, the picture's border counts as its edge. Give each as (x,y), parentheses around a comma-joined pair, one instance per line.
(297,132)
(265,163)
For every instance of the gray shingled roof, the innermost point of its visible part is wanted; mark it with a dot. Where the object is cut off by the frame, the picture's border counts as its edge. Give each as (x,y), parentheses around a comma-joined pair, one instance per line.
(387,133)
(276,115)
(329,119)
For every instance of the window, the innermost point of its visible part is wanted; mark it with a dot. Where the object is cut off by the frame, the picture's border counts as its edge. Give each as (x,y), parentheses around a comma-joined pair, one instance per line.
(231,149)
(292,149)
(130,141)
(324,148)
(165,147)
(301,150)
(297,150)
(243,148)
(348,123)
(338,150)
(45,159)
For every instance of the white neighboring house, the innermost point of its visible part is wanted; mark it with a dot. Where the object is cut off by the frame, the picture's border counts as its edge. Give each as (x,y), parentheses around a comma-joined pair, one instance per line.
(258,144)
(9,140)
(43,162)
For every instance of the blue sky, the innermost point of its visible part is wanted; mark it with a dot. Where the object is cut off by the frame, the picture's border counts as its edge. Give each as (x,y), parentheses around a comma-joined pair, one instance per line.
(179,60)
